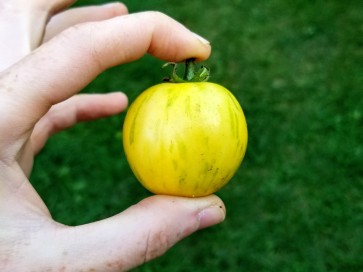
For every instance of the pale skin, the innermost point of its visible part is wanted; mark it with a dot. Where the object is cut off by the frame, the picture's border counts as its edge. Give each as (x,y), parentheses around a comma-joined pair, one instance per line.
(48,54)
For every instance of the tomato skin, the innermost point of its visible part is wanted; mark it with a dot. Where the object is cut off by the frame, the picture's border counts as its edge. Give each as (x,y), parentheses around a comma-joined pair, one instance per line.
(185,139)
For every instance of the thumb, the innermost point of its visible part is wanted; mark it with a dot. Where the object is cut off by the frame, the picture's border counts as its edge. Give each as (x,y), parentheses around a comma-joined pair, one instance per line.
(139,234)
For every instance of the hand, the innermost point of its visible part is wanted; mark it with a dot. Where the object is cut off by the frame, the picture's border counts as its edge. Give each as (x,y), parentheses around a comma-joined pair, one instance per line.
(37,99)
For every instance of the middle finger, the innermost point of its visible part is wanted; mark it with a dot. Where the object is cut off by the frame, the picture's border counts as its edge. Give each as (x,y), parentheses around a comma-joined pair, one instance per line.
(74,16)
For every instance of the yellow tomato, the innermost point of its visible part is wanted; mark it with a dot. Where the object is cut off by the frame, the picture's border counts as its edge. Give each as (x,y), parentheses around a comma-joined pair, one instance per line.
(185,139)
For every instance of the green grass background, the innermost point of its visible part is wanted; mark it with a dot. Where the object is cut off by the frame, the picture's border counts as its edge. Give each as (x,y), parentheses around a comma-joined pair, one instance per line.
(296,204)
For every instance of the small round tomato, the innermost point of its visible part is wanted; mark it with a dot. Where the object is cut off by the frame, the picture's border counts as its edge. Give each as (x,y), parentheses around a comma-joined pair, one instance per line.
(185,139)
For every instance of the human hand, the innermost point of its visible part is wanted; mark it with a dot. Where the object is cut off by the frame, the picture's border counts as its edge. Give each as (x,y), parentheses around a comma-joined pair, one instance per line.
(37,99)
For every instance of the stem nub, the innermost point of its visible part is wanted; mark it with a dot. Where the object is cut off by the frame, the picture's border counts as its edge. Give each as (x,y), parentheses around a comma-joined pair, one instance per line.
(189,73)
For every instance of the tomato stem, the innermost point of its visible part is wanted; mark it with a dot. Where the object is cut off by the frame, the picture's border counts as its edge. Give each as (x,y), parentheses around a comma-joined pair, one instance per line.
(189,73)
(189,69)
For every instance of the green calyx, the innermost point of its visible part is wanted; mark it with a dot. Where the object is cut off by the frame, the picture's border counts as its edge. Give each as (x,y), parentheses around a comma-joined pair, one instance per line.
(190,73)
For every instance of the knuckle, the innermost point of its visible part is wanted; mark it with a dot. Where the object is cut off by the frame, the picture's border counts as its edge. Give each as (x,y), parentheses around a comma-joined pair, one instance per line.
(158,16)
(156,244)
(84,40)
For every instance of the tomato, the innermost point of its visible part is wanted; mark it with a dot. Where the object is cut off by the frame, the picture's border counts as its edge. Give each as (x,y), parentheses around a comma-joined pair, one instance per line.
(185,139)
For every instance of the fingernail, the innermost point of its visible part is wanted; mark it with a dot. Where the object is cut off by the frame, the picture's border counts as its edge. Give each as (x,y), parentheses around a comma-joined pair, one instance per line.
(111,4)
(200,38)
(211,216)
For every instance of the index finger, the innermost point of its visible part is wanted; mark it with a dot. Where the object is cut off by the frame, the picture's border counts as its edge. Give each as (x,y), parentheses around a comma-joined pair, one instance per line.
(63,66)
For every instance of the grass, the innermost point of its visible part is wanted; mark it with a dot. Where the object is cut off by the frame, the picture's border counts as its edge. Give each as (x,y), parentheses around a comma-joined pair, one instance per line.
(296,203)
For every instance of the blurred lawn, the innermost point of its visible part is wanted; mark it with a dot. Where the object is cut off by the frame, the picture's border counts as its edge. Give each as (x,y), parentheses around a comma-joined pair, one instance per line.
(297,202)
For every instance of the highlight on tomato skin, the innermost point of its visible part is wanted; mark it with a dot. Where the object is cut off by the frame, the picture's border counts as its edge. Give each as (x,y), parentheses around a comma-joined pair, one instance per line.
(185,139)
